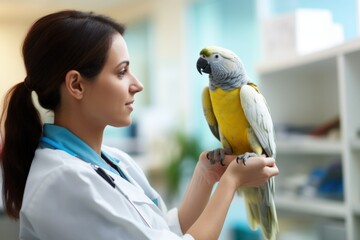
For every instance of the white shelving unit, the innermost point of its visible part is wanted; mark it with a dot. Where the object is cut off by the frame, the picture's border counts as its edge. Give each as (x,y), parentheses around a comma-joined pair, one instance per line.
(316,206)
(307,91)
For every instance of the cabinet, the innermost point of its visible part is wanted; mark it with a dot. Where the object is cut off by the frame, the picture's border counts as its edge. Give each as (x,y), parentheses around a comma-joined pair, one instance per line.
(305,92)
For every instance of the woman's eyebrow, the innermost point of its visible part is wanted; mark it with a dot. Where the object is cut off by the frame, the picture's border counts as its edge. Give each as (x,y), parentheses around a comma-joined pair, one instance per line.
(126,62)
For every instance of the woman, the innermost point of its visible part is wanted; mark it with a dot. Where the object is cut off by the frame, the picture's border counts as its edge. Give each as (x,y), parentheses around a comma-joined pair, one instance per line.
(59,179)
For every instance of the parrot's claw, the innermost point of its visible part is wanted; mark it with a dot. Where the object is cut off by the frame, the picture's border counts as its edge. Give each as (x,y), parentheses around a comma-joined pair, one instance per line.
(244,157)
(217,155)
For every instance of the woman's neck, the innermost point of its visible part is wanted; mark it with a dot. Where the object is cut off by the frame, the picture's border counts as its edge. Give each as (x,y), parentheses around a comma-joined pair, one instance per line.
(91,135)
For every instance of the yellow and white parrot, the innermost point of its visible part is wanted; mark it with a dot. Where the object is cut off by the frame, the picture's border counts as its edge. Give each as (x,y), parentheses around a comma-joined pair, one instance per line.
(239,118)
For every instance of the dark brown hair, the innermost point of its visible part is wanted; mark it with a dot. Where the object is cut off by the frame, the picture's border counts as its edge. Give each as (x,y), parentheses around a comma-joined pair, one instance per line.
(54,45)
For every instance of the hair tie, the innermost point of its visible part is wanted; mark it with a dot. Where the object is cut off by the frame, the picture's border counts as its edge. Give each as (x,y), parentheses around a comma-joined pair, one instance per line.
(26,84)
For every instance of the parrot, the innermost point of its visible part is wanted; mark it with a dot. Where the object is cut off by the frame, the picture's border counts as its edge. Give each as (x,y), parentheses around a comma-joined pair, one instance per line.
(239,117)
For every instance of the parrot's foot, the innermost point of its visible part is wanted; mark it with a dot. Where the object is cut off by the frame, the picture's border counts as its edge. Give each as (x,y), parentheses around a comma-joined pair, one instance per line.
(244,157)
(217,155)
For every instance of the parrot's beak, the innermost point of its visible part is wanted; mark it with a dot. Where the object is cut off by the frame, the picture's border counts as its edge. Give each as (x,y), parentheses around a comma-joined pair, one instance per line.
(203,66)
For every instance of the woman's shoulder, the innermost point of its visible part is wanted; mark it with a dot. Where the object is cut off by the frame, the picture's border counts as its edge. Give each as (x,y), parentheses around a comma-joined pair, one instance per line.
(52,170)
(50,163)
(47,160)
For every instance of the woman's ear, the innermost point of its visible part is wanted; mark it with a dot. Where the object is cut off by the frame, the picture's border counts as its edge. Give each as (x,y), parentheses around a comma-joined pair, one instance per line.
(74,84)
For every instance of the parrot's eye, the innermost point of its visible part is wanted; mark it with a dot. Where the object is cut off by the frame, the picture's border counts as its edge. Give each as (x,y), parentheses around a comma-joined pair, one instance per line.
(216,56)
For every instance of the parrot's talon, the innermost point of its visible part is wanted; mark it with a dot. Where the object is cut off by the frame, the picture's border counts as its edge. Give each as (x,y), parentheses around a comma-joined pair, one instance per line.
(217,155)
(242,158)
(210,159)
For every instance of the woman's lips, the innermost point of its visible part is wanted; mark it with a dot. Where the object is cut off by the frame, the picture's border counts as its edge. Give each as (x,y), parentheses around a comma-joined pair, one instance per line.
(130,104)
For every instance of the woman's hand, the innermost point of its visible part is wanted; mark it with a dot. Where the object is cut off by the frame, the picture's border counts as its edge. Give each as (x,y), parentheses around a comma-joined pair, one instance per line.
(210,172)
(256,172)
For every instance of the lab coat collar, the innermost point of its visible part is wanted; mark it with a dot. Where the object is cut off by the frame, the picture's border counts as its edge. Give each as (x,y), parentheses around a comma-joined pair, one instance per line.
(57,137)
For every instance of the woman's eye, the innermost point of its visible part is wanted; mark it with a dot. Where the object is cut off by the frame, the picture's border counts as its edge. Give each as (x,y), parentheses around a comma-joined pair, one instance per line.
(122,72)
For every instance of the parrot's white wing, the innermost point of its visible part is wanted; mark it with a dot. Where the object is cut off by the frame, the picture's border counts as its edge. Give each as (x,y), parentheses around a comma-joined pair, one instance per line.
(259,118)
(258,115)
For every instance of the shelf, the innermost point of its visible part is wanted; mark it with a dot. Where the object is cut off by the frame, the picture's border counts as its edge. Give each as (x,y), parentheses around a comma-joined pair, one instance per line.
(357,210)
(296,61)
(315,206)
(355,144)
(308,145)
(307,91)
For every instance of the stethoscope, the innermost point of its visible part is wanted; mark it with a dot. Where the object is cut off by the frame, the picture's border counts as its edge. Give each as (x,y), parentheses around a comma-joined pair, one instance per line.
(111,181)
(101,172)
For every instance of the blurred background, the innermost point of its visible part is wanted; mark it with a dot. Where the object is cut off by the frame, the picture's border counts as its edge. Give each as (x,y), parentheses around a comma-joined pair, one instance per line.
(302,53)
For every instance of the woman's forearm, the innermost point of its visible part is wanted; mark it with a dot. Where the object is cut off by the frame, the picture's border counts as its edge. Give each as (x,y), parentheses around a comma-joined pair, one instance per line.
(209,224)
(194,202)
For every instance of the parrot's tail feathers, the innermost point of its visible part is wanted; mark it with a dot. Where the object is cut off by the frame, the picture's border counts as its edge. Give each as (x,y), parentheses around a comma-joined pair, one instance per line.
(253,215)
(260,207)
(269,223)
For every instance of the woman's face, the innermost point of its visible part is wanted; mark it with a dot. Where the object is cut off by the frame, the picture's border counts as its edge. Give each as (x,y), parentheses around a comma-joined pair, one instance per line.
(110,97)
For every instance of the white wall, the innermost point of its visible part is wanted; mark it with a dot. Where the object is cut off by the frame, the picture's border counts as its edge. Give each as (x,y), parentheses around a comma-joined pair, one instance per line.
(12,33)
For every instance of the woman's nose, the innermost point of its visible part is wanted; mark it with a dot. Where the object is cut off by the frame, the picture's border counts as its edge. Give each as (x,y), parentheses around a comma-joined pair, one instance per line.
(136,86)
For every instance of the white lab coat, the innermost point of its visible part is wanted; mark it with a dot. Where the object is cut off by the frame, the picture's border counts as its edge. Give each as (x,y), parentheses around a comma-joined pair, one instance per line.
(65,199)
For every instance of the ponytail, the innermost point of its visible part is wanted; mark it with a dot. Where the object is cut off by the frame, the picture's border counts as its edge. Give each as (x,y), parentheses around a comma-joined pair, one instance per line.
(23,129)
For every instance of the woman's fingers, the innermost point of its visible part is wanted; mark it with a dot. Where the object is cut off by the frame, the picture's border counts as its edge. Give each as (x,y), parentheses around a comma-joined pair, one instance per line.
(267,163)
(270,162)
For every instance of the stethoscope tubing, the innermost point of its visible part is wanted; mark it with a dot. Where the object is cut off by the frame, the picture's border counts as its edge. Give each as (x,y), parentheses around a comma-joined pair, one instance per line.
(111,181)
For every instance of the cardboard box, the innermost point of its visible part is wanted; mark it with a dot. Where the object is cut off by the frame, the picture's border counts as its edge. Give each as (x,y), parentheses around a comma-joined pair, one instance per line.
(301,32)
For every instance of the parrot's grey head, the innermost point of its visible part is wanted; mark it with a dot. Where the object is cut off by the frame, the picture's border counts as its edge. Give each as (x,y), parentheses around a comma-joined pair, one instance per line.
(223,66)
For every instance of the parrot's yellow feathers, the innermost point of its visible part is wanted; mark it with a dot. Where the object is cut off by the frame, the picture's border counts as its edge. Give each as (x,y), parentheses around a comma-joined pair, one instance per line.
(226,53)
(205,52)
